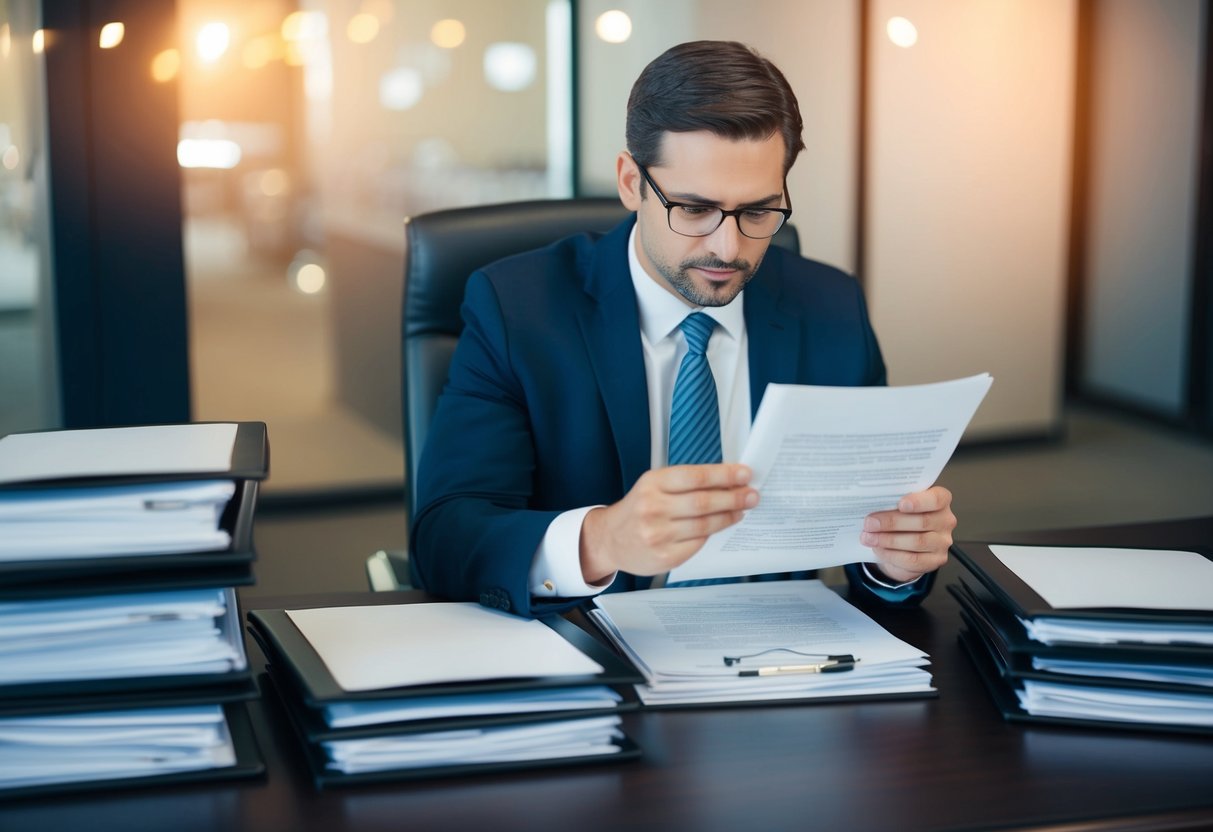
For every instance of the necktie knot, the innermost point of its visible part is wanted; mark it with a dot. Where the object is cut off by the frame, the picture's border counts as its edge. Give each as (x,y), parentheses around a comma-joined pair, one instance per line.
(697,328)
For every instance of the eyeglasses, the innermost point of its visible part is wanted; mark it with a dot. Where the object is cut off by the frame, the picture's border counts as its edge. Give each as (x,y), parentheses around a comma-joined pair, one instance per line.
(701,220)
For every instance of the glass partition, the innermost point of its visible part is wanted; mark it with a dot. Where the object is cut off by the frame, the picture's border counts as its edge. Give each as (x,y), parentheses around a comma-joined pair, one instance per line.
(28,394)
(308,133)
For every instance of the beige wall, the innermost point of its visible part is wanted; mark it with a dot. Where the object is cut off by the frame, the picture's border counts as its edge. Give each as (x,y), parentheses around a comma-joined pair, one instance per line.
(968,199)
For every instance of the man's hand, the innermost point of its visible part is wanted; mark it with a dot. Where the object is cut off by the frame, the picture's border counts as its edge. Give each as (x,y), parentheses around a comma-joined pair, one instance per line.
(914,539)
(664,519)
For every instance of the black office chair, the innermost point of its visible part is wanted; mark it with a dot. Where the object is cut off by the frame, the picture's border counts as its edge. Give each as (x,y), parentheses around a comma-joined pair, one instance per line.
(442,249)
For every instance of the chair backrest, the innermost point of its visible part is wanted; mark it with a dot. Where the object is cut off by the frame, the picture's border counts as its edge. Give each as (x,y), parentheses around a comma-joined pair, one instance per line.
(442,249)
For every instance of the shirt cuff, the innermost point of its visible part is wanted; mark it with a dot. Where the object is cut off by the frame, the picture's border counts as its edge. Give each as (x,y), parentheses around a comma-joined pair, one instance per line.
(869,576)
(556,567)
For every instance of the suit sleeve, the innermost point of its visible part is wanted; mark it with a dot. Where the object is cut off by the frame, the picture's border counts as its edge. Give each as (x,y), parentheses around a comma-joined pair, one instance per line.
(474,536)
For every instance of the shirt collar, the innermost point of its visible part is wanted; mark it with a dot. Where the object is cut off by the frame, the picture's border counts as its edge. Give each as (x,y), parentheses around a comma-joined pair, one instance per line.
(661,311)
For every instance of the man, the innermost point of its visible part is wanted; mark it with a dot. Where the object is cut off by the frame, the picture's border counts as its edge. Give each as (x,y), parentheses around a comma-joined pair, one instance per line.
(562,461)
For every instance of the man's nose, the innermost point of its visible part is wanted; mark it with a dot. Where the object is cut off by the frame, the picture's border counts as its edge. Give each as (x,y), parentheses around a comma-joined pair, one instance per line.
(725,241)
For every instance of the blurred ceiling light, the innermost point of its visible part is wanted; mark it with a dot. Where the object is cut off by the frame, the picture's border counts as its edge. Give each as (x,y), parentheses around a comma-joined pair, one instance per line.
(166,65)
(448,34)
(6,40)
(400,89)
(902,32)
(11,157)
(39,41)
(274,182)
(310,278)
(509,67)
(300,26)
(613,26)
(212,41)
(259,51)
(362,28)
(111,35)
(223,154)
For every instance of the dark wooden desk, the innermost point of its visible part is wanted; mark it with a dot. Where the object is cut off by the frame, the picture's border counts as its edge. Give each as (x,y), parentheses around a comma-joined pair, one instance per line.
(949,763)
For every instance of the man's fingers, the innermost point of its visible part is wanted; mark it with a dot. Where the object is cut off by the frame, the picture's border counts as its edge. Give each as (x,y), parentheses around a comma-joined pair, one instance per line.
(908,541)
(682,478)
(711,501)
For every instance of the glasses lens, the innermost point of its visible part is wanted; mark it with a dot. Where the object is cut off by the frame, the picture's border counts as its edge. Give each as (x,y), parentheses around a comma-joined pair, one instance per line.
(695,220)
(760,224)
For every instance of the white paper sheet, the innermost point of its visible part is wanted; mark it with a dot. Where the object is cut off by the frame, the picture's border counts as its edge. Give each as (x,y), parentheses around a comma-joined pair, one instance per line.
(107,452)
(1077,578)
(826,457)
(377,647)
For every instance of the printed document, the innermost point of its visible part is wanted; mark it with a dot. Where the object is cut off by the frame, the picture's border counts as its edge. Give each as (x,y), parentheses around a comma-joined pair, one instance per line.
(826,457)
(701,644)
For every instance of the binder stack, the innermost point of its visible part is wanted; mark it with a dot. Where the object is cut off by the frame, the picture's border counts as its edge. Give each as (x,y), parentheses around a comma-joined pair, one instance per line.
(1100,637)
(121,656)
(400,692)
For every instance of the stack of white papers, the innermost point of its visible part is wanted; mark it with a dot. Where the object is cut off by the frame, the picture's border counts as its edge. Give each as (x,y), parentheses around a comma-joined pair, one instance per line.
(575,738)
(1152,707)
(680,638)
(117,636)
(106,521)
(499,703)
(37,751)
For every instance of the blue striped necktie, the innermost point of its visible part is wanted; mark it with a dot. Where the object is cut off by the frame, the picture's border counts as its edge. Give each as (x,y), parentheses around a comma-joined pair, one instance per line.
(694,413)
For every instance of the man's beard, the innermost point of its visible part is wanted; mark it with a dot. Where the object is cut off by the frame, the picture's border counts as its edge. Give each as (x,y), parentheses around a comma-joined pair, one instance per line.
(713,294)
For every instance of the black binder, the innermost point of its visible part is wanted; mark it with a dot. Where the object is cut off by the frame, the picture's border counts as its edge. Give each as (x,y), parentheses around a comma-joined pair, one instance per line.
(996,639)
(304,685)
(1014,594)
(1002,692)
(232,566)
(249,764)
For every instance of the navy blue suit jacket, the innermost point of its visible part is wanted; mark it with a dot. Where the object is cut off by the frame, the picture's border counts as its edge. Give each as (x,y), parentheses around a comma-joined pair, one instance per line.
(546,405)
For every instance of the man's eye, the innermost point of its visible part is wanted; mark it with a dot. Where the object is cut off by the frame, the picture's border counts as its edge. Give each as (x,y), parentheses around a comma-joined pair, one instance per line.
(757,215)
(697,210)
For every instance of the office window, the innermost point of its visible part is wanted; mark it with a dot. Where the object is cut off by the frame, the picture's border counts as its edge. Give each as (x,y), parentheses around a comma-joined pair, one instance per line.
(28,398)
(308,133)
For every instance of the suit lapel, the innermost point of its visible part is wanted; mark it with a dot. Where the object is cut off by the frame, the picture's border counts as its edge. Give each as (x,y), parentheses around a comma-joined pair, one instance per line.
(611,328)
(773,333)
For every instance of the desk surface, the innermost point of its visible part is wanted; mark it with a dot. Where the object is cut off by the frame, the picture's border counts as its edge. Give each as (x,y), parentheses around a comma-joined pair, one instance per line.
(947,763)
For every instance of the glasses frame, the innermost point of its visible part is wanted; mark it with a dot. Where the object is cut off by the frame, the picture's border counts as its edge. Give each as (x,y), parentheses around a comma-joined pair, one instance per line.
(724,215)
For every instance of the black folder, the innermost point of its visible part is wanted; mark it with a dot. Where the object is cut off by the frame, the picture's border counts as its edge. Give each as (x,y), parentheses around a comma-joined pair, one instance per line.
(248,764)
(1018,597)
(1002,692)
(232,566)
(304,685)
(1000,626)
(302,720)
(284,645)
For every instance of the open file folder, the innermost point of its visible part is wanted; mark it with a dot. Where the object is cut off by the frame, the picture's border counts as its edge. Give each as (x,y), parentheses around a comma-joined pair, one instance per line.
(464,719)
(1056,636)
(104,508)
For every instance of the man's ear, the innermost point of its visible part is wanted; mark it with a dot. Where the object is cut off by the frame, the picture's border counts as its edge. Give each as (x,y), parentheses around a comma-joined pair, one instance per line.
(627,180)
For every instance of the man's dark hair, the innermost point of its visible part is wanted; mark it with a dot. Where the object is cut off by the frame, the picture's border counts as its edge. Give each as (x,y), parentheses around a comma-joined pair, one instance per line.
(724,87)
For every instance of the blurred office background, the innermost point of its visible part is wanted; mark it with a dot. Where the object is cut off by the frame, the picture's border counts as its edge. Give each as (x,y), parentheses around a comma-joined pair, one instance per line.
(201,209)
